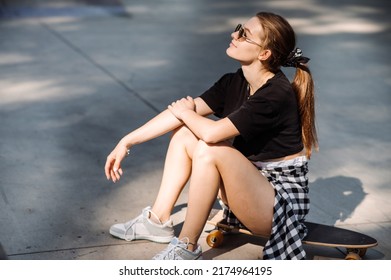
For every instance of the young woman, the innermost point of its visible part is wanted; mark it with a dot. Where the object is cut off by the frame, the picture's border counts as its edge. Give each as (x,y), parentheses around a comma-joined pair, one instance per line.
(254,157)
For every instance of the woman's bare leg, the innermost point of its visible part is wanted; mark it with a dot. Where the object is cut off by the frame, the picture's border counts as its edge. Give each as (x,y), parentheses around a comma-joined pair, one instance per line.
(176,173)
(248,193)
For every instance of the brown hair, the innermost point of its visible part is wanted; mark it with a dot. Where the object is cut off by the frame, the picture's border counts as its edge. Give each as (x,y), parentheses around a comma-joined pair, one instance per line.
(280,39)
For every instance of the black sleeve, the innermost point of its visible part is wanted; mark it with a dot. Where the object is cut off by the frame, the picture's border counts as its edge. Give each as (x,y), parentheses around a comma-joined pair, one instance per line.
(216,95)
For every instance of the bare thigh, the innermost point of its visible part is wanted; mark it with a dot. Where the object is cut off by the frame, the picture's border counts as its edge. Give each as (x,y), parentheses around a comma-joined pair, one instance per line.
(247,192)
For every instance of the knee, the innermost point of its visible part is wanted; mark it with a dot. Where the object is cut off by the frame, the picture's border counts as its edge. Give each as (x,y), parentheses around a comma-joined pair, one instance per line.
(182,134)
(205,152)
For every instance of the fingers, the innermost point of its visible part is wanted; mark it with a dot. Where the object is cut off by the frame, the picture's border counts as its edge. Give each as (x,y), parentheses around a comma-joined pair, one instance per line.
(182,104)
(189,98)
(108,165)
(116,174)
(113,170)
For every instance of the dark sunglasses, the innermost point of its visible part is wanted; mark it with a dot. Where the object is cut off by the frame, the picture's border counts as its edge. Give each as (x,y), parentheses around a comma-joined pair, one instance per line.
(242,34)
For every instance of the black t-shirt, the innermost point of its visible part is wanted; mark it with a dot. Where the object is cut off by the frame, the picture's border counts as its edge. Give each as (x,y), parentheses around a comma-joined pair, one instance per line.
(268,121)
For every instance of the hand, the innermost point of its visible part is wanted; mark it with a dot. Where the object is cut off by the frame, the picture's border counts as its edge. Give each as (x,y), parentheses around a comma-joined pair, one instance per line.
(113,168)
(178,107)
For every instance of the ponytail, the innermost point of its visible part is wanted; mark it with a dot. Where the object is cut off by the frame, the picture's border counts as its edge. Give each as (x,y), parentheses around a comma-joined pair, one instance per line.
(303,86)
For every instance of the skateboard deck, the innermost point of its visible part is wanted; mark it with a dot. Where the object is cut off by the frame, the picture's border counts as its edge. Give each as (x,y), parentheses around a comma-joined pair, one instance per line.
(355,243)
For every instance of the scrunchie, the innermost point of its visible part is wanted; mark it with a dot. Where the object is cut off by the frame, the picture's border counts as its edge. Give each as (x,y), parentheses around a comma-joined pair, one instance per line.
(296,58)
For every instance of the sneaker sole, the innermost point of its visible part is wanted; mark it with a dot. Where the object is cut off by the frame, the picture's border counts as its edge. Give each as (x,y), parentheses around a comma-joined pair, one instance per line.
(157,239)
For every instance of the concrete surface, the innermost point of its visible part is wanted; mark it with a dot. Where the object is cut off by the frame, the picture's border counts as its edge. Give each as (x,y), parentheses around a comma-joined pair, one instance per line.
(75,76)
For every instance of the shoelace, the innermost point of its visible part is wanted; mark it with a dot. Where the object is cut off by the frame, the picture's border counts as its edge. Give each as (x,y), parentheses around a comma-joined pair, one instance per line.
(129,225)
(170,252)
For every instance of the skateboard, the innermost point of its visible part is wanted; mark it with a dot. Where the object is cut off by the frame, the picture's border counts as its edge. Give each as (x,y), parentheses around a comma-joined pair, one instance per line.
(355,243)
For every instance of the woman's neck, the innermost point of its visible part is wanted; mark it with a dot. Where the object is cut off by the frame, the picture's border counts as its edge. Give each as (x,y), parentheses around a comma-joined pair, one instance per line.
(256,77)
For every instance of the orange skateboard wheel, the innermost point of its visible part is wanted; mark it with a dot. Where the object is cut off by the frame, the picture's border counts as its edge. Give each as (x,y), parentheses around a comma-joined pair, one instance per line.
(215,238)
(352,256)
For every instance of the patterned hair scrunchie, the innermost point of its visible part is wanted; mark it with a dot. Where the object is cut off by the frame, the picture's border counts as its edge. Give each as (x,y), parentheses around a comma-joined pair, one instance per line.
(296,58)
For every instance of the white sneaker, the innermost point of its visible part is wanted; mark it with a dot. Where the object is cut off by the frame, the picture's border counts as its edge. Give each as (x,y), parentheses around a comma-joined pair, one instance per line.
(143,228)
(177,250)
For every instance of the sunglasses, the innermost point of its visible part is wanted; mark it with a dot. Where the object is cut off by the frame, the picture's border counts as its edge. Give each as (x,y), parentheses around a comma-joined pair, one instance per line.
(242,34)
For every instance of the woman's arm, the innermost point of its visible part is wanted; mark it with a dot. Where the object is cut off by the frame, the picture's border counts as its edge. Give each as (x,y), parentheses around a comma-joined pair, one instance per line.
(161,124)
(157,126)
(208,130)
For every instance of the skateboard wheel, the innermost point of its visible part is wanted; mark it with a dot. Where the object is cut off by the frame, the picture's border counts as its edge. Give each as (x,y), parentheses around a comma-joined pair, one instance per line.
(352,256)
(355,254)
(215,238)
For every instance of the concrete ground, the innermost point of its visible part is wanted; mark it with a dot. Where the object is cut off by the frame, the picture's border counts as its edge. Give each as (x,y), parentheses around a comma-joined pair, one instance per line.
(75,76)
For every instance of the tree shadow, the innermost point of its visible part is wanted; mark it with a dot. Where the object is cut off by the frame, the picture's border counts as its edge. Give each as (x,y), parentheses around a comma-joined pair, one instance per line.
(334,199)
